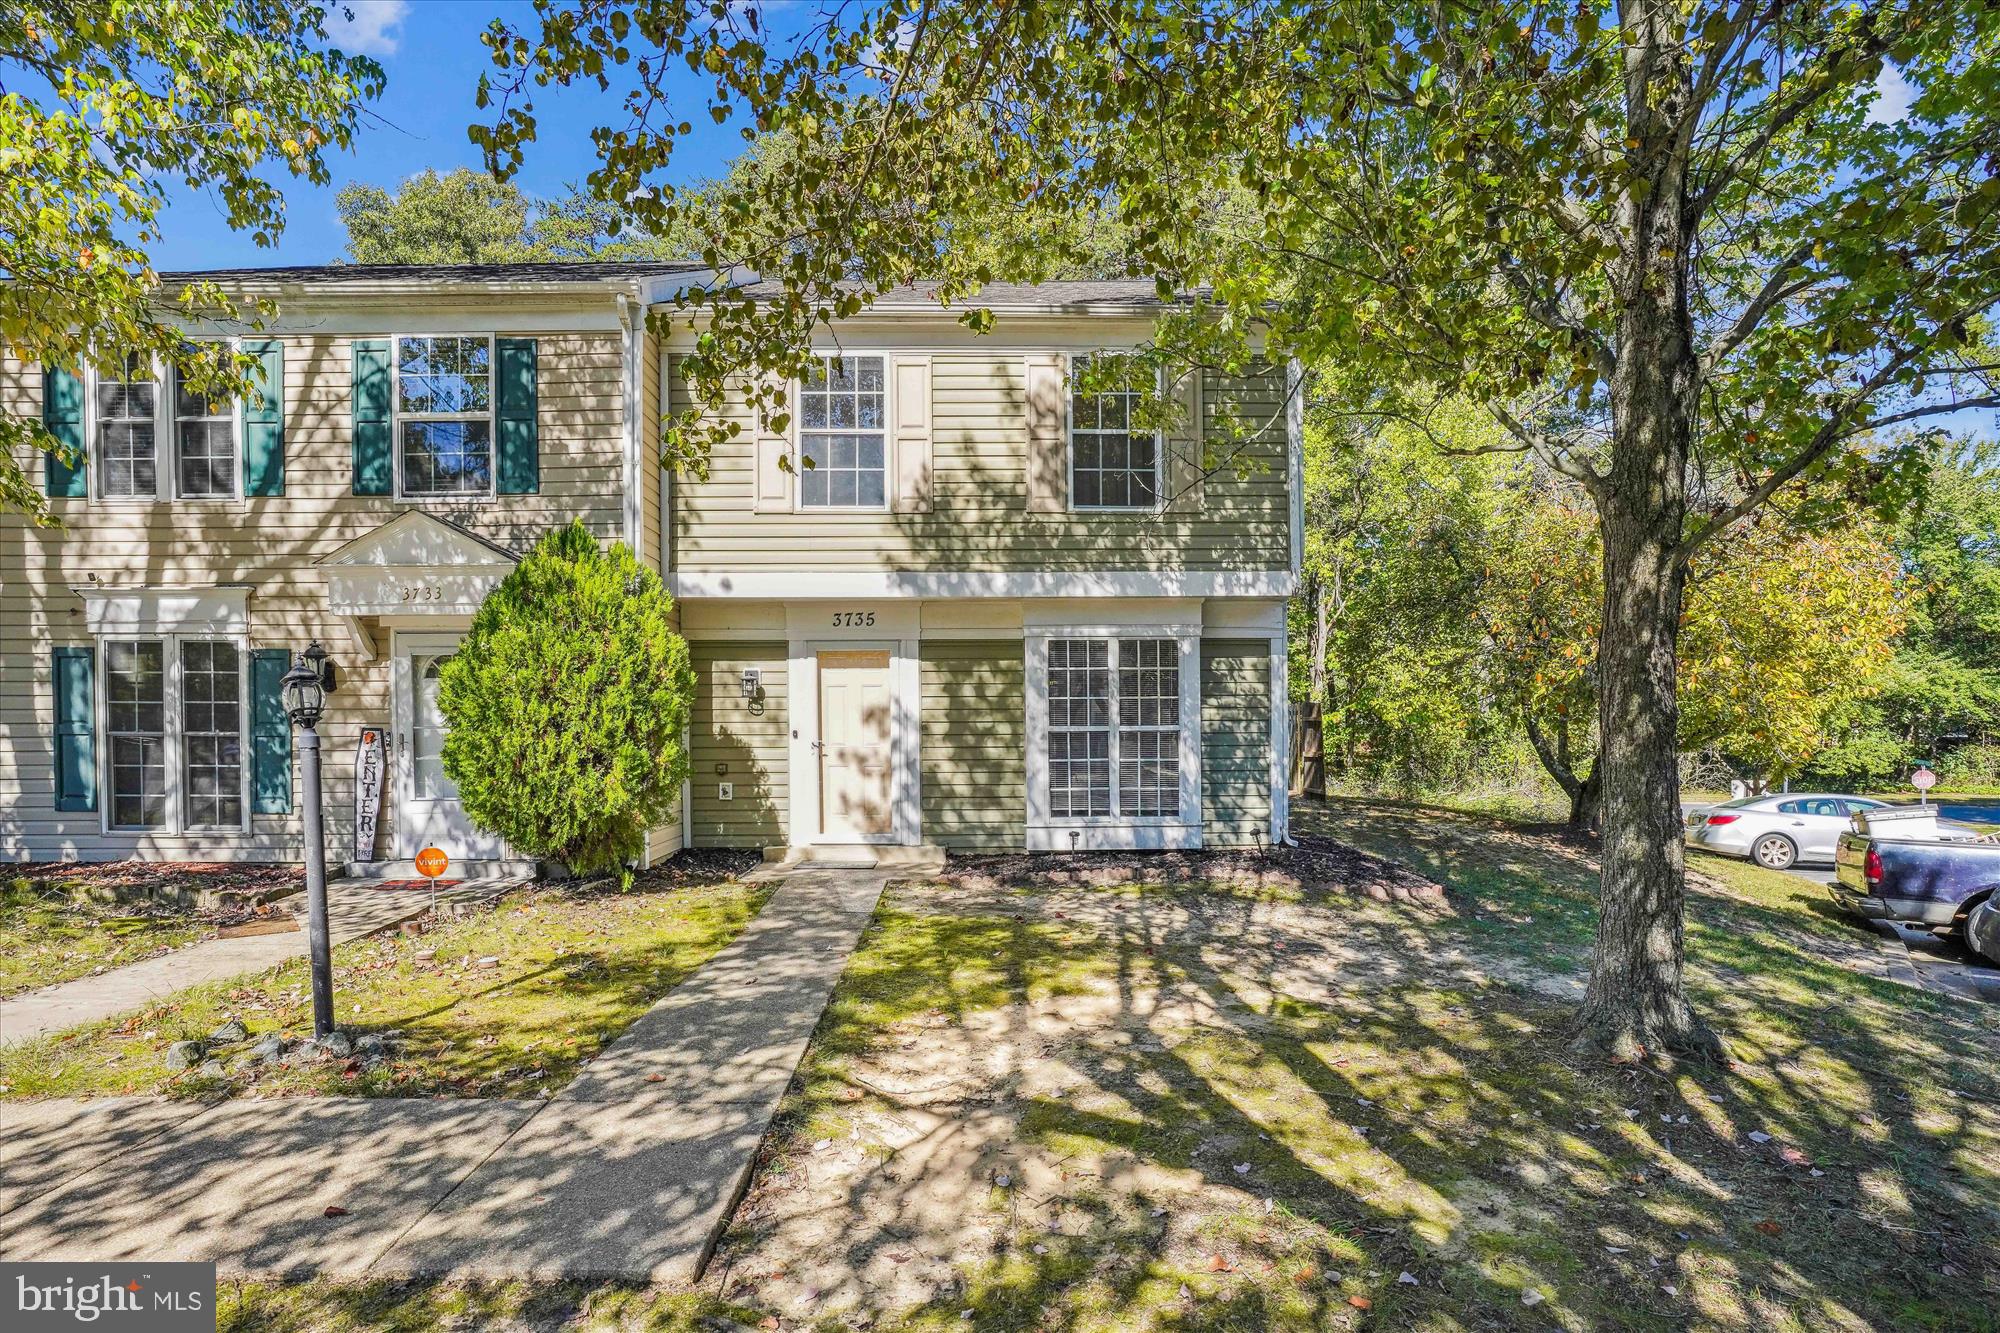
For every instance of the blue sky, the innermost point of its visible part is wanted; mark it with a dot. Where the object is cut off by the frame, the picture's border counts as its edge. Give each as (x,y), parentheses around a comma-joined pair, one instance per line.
(432,54)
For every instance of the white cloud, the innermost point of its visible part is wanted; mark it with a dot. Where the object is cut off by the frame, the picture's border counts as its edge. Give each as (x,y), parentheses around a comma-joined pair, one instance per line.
(366,27)
(1893,95)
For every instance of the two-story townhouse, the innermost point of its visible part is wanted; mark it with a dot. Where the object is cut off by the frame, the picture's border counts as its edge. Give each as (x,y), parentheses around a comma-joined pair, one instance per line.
(974,609)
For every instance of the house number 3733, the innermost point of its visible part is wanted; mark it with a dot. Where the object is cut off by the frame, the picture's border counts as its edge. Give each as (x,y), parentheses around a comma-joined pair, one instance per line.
(853,619)
(423,592)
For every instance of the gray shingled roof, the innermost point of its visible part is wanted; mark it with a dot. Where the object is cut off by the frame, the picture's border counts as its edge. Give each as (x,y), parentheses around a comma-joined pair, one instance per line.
(336,274)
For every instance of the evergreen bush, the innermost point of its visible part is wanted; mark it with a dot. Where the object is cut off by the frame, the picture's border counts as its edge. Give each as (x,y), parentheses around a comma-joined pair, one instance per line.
(567,705)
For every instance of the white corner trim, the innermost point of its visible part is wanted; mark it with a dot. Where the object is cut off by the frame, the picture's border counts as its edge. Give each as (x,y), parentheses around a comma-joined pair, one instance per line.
(777,585)
(1295,459)
(1281,740)
(219,611)
(633,325)
(906,739)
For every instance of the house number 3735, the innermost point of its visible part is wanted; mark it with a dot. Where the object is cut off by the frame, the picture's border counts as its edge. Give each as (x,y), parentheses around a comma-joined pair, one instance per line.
(853,619)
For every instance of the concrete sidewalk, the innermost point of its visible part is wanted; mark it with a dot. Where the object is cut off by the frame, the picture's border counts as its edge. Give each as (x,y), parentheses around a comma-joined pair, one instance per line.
(630,1172)
(353,909)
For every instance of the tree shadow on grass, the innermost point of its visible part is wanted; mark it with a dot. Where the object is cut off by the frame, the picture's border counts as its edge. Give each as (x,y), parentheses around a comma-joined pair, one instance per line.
(1398,1123)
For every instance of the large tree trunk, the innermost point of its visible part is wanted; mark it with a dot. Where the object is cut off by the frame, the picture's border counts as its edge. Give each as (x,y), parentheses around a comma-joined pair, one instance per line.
(1637,1000)
(1310,774)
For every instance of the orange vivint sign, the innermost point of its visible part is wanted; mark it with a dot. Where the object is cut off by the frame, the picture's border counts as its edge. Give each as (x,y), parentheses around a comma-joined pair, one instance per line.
(431,862)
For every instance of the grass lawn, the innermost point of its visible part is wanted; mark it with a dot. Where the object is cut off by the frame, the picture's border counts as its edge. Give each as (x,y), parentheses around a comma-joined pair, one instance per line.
(46,936)
(1178,1107)
(503,1003)
(1038,1105)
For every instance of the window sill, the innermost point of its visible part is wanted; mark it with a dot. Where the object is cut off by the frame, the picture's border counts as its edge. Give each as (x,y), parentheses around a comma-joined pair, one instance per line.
(1112,835)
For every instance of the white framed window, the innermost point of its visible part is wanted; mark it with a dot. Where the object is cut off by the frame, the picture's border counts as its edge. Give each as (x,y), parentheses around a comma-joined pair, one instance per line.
(844,433)
(126,430)
(1149,728)
(1113,463)
(152,440)
(444,415)
(1114,728)
(205,445)
(1079,735)
(175,717)
(212,721)
(135,687)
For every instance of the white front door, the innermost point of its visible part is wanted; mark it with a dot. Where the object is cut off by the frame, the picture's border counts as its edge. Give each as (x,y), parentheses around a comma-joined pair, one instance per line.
(856,760)
(428,812)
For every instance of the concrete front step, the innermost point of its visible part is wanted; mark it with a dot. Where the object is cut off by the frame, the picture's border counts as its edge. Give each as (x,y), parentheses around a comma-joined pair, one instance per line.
(377,871)
(859,855)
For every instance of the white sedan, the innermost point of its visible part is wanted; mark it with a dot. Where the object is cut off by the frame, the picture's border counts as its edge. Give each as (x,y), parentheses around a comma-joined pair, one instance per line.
(1777,832)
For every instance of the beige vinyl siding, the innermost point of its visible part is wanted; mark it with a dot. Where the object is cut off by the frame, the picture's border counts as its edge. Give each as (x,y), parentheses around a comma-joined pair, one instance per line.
(1235,742)
(979,520)
(974,745)
(740,741)
(270,544)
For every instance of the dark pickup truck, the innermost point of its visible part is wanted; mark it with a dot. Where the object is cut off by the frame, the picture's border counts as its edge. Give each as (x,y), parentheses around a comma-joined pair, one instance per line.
(1932,874)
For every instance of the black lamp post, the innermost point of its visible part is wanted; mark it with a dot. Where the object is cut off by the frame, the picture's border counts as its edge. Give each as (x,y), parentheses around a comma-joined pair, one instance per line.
(304,691)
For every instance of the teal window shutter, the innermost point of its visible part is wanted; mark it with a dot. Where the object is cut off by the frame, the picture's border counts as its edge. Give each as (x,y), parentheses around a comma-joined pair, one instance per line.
(270,734)
(62,416)
(74,675)
(264,421)
(374,456)
(519,465)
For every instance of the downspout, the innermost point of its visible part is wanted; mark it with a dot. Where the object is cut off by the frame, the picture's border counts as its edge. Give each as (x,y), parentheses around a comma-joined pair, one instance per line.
(633,325)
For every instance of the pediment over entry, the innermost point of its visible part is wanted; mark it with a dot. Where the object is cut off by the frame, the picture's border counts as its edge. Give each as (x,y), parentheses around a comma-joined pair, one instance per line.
(415,539)
(415,564)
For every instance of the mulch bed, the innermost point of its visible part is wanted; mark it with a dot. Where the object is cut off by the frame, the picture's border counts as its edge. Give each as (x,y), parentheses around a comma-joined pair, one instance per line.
(1318,865)
(699,865)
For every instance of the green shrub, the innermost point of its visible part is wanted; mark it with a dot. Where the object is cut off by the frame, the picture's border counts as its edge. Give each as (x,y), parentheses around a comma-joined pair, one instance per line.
(567,705)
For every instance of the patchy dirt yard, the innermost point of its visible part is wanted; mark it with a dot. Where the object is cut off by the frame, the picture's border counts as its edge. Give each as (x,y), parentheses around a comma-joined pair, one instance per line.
(1102,1098)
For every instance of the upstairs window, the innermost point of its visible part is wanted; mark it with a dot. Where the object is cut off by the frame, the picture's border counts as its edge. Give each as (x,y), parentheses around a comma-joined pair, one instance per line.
(1113,463)
(844,434)
(204,445)
(127,451)
(444,415)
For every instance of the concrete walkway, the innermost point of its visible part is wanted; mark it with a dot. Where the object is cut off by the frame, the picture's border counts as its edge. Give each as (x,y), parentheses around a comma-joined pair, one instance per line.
(630,1172)
(353,909)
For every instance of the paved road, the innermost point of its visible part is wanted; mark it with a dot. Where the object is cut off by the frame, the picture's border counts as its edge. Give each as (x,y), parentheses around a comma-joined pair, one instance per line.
(1941,965)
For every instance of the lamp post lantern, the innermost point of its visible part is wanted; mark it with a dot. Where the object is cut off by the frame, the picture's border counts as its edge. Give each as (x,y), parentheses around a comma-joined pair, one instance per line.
(304,692)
